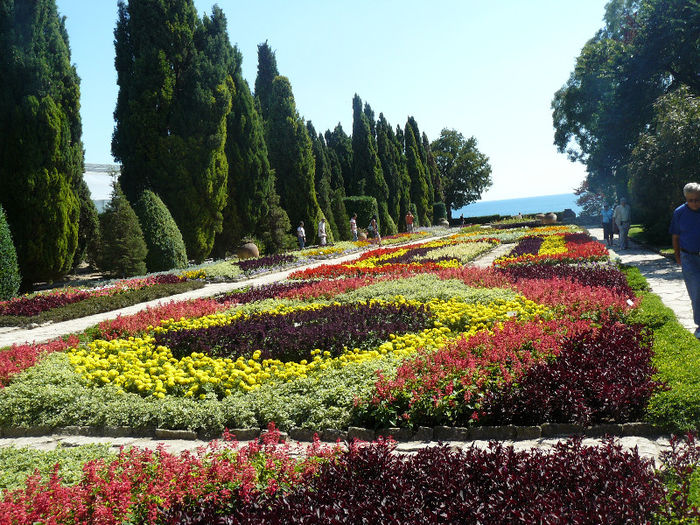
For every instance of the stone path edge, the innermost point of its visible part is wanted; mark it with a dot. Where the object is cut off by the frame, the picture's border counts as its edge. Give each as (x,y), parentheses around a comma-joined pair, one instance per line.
(437,433)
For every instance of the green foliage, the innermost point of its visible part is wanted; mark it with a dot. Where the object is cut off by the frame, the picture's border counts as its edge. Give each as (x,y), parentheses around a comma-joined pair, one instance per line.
(340,215)
(425,287)
(365,207)
(322,179)
(251,180)
(274,229)
(340,148)
(465,172)
(174,96)
(635,279)
(9,270)
(41,152)
(123,249)
(414,212)
(99,304)
(439,212)
(420,194)
(390,152)
(368,178)
(291,157)
(20,463)
(667,156)
(387,226)
(88,225)
(166,249)
(267,71)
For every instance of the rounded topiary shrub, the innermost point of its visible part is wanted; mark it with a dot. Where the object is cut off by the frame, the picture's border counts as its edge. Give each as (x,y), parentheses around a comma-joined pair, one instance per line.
(122,249)
(9,270)
(166,249)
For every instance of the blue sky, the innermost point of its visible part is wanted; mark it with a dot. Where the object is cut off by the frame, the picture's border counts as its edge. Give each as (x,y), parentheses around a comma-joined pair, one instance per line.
(487,69)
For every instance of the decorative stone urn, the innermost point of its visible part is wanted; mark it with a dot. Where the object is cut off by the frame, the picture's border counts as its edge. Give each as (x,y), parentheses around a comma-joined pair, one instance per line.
(444,222)
(549,218)
(247,251)
(361,236)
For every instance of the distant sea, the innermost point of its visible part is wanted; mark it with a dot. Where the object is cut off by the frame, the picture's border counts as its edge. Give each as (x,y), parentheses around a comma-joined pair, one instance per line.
(525,205)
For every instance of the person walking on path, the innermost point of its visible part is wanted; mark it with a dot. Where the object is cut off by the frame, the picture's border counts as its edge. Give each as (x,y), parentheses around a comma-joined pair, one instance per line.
(322,232)
(301,235)
(623,217)
(685,237)
(607,219)
(374,230)
(409,222)
(353,226)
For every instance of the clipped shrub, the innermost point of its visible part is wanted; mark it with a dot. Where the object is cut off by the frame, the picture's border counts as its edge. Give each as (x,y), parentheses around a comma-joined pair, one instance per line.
(365,207)
(9,270)
(340,214)
(123,249)
(439,212)
(166,249)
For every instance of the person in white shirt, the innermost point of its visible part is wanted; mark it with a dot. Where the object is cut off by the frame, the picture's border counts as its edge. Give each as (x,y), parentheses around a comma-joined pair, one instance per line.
(353,226)
(322,232)
(301,235)
(623,217)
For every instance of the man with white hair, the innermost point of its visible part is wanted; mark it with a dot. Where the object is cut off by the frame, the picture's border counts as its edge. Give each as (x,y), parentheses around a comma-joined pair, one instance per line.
(685,236)
(623,217)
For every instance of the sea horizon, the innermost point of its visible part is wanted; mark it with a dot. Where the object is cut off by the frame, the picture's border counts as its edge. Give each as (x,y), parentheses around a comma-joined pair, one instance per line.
(524,205)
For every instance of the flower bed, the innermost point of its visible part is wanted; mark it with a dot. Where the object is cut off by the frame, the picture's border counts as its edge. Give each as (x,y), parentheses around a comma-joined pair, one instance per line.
(566,247)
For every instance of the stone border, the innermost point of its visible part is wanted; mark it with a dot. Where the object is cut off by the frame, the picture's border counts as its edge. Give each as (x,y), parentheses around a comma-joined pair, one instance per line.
(425,434)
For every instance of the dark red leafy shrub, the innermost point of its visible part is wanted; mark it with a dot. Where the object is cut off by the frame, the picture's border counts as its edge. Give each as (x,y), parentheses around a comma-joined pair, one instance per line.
(572,484)
(599,376)
(258,293)
(527,245)
(291,337)
(267,261)
(586,274)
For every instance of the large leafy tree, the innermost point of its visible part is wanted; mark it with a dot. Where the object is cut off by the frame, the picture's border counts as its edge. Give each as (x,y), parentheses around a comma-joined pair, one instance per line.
(465,172)
(667,156)
(41,153)
(646,48)
(174,96)
(251,180)
(291,157)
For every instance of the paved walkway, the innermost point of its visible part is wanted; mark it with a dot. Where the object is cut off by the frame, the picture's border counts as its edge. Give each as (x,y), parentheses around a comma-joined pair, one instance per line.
(663,275)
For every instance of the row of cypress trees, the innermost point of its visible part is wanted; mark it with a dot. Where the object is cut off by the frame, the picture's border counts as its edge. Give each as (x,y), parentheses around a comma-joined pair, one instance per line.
(218,162)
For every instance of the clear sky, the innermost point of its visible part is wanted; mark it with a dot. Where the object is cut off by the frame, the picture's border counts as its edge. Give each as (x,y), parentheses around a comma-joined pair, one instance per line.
(486,69)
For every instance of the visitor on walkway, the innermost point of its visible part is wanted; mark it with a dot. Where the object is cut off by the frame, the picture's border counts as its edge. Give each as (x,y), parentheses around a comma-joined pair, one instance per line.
(353,226)
(623,217)
(607,219)
(373,229)
(409,222)
(685,237)
(301,235)
(322,232)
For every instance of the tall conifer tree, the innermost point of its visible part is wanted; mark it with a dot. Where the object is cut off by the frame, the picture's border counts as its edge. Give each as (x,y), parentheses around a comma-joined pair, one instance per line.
(251,180)
(174,96)
(291,157)
(41,153)
(322,177)
(267,71)
(420,194)
(340,144)
(390,154)
(433,172)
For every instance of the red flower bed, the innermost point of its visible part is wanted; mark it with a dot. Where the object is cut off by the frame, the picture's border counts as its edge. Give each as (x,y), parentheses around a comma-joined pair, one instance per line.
(572,484)
(33,305)
(20,357)
(127,325)
(600,375)
(446,386)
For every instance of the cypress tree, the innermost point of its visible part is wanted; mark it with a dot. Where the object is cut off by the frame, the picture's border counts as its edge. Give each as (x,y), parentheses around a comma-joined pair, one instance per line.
(433,172)
(174,96)
(393,164)
(123,249)
(322,179)
(341,145)
(420,194)
(404,184)
(9,270)
(41,153)
(88,223)
(341,215)
(251,181)
(267,71)
(166,249)
(289,148)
